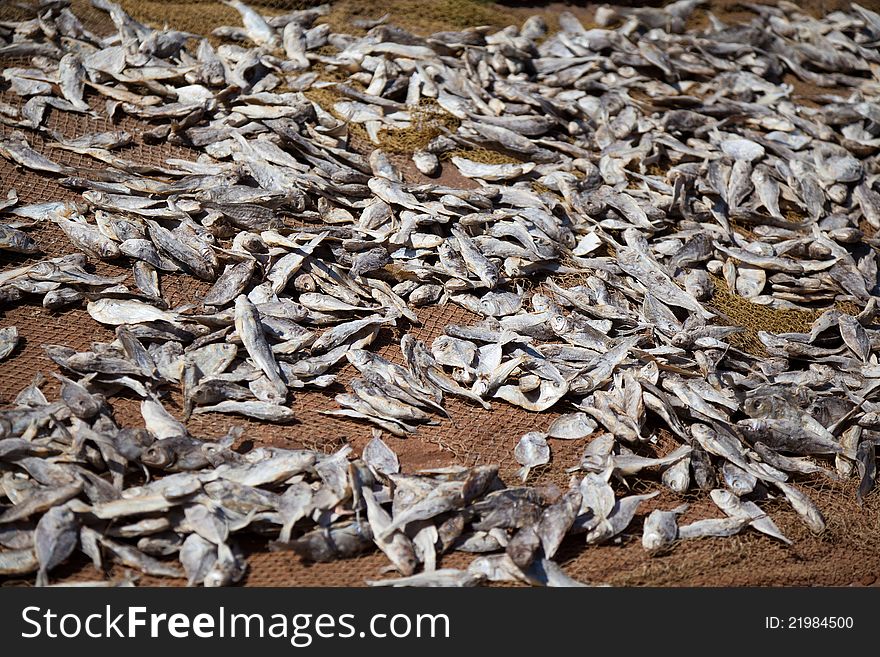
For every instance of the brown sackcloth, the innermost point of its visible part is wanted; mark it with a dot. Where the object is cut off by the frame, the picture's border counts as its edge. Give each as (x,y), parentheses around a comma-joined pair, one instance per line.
(847,553)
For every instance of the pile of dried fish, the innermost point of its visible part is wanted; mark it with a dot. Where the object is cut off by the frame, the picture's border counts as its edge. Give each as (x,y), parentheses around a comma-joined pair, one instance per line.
(78,482)
(650,163)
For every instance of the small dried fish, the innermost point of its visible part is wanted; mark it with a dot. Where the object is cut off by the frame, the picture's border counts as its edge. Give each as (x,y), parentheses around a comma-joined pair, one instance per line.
(531,451)
(8,341)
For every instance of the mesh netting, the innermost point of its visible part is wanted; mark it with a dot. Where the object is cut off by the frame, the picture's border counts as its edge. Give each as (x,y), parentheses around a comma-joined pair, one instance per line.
(847,553)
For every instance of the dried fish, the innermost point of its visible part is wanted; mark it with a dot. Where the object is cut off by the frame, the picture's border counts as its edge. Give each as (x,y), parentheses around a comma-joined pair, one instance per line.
(531,451)
(8,341)
(661,529)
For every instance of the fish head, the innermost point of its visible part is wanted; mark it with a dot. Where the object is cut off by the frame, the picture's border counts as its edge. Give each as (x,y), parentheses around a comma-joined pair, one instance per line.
(132,442)
(653,540)
(560,324)
(217,577)
(722,497)
(567,238)
(358,357)
(158,456)
(760,407)
(700,431)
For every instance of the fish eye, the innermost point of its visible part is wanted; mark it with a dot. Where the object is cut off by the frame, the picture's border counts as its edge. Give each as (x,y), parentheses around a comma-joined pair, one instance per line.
(156,454)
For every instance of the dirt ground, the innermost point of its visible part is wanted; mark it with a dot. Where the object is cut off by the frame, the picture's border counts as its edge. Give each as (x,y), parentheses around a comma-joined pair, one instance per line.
(848,553)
